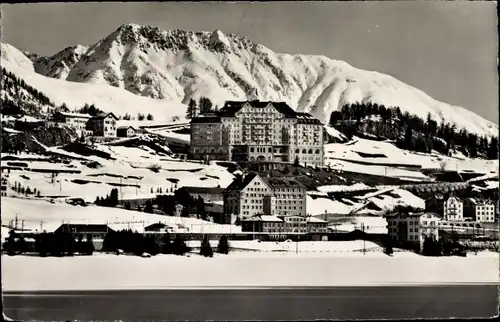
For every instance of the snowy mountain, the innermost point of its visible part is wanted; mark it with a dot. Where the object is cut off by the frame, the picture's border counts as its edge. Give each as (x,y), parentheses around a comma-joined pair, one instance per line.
(178,65)
(59,65)
(76,95)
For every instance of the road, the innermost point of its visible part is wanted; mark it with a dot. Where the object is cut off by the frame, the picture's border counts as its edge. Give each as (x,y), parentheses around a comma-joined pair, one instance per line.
(264,304)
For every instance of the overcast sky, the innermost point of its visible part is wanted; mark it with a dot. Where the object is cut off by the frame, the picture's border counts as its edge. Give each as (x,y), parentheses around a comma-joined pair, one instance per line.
(447,49)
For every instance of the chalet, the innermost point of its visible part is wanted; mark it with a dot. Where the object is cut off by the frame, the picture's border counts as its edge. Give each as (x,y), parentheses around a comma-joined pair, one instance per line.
(125,131)
(479,210)
(77,121)
(451,208)
(413,228)
(97,231)
(209,194)
(103,125)
(158,227)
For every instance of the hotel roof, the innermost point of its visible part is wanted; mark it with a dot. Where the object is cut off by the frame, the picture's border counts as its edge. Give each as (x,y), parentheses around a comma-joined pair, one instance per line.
(230,109)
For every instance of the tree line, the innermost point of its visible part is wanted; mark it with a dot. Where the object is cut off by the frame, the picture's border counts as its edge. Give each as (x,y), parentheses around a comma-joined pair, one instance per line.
(25,190)
(411,132)
(50,244)
(203,106)
(140,117)
(189,204)
(132,242)
(110,200)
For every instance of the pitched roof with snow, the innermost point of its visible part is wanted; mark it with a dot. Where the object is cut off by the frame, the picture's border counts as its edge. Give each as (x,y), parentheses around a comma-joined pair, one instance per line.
(206,118)
(69,114)
(103,116)
(125,127)
(282,182)
(315,220)
(266,218)
(209,190)
(411,214)
(230,109)
(240,182)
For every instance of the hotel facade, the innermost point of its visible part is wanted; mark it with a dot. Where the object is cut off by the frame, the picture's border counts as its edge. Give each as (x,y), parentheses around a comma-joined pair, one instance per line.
(258,131)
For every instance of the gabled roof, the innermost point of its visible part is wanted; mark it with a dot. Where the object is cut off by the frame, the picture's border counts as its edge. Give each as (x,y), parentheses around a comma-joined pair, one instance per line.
(206,118)
(282,182)
(68,114)
(125,127)
(315,220)
(84,228)
(103,116)
(411,214)
(266,218)
(231,107)
(210,190)
(306,118)
(239,183)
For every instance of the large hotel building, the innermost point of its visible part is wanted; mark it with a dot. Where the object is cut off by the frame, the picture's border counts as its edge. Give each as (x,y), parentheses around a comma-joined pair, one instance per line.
(257,131)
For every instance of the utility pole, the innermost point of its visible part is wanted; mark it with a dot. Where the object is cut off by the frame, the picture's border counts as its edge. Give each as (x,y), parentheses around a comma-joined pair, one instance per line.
(41,226)
(364,239)
(296,244)
(15,227)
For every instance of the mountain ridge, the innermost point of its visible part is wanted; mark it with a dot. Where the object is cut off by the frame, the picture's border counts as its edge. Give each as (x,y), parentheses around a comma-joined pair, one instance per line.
(178,65)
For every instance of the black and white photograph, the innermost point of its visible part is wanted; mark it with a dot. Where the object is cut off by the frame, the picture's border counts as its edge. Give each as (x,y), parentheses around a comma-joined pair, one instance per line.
(314,160)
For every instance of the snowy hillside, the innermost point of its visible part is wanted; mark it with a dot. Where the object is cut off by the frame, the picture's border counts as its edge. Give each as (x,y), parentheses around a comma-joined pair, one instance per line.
(76,95)
(178,65)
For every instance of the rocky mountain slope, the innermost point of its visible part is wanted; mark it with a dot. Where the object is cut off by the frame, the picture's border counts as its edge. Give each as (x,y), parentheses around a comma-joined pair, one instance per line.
(178,65)
(59,65)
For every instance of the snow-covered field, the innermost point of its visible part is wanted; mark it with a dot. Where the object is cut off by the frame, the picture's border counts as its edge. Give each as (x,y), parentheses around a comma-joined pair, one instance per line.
(338,156)
(169,271)
(131,168)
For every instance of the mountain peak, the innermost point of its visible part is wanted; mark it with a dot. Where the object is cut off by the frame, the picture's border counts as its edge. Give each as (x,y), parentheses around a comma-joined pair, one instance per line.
(179,65)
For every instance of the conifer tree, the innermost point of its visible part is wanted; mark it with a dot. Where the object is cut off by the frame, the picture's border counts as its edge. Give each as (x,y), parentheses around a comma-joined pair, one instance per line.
(223,246)
(179,246)
(191,109)
(206,249)
(166,244)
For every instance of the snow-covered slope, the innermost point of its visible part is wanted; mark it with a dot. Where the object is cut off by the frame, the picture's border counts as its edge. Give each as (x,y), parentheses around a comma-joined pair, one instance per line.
(76,95)
(179,65)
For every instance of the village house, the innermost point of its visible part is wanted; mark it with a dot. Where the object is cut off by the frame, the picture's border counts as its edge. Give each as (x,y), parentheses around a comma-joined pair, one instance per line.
(276,226)
(125,131)
(451,209)
(252,195)
(479,210)
(316,225)
(263,224)
(209,194)
(103,125)
(413,228)
(76,121)
(158,227)
(258,131)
